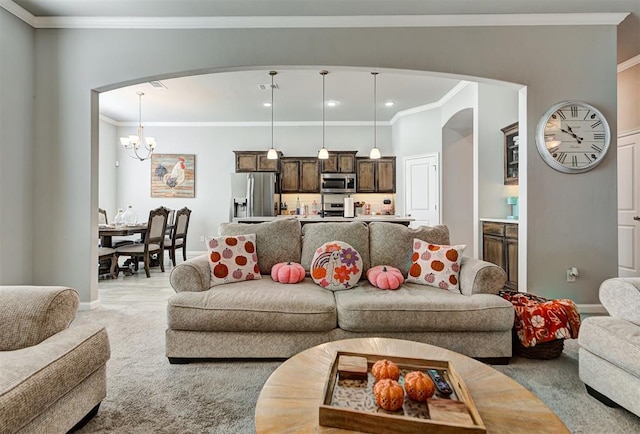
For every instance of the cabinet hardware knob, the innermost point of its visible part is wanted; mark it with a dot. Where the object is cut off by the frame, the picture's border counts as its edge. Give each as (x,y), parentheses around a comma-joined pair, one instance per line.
(636,217)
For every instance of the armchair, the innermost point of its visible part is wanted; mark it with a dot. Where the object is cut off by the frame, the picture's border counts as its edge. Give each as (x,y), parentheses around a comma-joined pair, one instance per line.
(609,355)
(52,376)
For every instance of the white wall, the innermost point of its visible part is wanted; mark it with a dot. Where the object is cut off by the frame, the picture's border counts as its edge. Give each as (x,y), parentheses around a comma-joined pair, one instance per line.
(17,66)
(72,62)
(629,99)
(214,160)
(107,180)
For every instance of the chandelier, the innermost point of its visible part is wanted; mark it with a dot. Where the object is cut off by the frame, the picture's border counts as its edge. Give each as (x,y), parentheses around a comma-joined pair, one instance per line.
(323,154)
(138,146)
(272,154)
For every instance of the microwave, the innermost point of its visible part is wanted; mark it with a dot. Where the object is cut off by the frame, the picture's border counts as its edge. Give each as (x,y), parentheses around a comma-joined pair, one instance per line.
(338,183)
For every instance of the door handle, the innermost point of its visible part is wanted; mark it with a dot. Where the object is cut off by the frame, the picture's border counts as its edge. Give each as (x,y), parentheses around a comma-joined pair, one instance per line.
(636,217)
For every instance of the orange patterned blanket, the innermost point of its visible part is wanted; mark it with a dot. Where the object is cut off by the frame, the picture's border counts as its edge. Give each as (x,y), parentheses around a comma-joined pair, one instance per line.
(540,320)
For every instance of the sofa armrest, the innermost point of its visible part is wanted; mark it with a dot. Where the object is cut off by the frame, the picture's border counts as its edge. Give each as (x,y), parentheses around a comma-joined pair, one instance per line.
(192,275)
(621,297)
(480,277)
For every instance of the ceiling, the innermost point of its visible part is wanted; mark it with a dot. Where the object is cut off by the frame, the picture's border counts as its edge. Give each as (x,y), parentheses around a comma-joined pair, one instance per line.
(235,96)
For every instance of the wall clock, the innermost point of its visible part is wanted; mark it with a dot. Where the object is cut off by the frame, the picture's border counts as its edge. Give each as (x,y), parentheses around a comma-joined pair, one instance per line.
(573,136)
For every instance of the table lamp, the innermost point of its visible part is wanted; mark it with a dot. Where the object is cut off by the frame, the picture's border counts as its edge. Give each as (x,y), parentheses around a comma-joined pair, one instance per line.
(513,201)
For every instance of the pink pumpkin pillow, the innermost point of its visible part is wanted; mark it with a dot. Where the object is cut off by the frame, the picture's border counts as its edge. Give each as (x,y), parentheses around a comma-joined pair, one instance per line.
(385,277)
(287,272)
(436,265)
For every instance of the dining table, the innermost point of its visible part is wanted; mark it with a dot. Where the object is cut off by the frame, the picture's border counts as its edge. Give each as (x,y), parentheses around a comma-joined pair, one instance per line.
(107,232)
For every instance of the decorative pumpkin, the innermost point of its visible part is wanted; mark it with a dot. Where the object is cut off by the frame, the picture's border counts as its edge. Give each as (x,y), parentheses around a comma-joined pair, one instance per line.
(419,386)
(287,272)
(385,277)
(389,394)
(383,369)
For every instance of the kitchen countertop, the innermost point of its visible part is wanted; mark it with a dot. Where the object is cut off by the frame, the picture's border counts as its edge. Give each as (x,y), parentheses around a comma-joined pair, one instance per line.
(499,220)
(318,219)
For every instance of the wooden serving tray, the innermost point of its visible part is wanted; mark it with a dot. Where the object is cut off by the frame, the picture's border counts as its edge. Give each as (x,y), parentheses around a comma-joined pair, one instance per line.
(350,404)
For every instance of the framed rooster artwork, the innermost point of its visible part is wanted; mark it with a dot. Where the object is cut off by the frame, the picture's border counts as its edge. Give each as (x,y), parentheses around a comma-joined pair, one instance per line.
(173,175)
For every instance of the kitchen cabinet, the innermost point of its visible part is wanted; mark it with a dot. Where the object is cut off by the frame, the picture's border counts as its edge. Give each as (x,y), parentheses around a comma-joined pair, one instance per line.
(340,162)
(376,176)
(299,175)
(511,154)
(256,161)
(500,246)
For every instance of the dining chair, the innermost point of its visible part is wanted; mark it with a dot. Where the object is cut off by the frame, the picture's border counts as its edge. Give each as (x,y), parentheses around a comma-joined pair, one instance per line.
(102,217)
(107,262)
(153,241)
(178,237)
(170,221)
(115,241)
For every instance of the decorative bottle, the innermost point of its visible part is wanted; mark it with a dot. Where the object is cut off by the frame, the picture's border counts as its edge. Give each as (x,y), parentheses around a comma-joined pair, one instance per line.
(118,220)
(130,217)
(298,210)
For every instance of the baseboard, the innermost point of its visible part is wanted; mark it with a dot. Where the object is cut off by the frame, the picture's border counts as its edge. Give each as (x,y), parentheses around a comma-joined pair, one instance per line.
(90,305)
(592,309)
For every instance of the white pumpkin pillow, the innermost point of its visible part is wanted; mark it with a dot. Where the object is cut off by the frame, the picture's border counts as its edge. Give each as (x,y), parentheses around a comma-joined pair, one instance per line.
(436,265)
(232,259)
(336,265)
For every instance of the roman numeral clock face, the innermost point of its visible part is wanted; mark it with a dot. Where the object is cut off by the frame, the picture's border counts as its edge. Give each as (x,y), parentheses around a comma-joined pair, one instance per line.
(573,137)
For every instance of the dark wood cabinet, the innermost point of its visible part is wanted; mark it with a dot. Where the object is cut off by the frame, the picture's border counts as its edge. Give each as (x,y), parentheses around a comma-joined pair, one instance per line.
(299,175)
(500,246)
(256,161)
(376,176)
(340,162)
(511,154)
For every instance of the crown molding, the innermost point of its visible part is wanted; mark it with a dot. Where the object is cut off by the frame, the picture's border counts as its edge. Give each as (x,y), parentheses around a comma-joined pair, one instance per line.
(237,22)
(628,133)
(108,120)
(629,63)
(249,124)
(438,104)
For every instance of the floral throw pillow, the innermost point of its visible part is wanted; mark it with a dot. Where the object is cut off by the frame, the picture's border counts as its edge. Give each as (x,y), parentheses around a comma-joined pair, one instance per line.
(232,259)
(336,265)
(436,265)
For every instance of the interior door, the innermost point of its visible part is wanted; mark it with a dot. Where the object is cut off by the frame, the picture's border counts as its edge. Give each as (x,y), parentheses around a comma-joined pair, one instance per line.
(422,192)
(629,206)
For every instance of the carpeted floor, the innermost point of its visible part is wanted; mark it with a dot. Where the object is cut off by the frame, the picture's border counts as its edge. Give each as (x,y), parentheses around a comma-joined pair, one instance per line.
(145,394)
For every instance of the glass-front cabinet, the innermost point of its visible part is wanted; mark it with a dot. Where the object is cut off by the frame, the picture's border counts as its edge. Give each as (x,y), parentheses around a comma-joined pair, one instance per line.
(511,154)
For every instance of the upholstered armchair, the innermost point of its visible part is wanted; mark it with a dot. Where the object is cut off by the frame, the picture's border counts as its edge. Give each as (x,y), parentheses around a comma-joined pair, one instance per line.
(52,376)
(610,346)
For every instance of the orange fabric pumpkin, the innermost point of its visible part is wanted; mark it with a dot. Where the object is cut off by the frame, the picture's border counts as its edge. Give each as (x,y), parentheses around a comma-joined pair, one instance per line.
(389,394)
(419,386)
(385,277)
(384,368)
(287,272)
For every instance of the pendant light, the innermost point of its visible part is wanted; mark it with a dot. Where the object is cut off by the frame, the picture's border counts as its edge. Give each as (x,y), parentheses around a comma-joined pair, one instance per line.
(134,145)
(375,152)
(272,154)
(323,154)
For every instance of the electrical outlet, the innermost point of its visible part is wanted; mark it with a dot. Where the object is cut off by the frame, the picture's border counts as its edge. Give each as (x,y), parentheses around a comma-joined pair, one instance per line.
(202,238)
(572,272)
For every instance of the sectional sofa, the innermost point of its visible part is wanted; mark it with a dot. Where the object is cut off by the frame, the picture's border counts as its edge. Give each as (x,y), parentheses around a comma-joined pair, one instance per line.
(265,319)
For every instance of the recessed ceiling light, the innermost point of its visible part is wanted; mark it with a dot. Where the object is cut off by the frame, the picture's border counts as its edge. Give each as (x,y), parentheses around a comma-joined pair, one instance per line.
(332,103)
(266,104)
(389,103)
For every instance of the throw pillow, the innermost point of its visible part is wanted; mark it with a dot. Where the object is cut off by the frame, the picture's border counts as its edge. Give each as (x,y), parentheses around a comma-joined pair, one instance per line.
(436,265)
(233,259)
(336,265)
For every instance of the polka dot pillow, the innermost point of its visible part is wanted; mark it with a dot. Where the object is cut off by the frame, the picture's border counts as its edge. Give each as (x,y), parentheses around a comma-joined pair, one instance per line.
(436,265)
(233,259)
(336,265)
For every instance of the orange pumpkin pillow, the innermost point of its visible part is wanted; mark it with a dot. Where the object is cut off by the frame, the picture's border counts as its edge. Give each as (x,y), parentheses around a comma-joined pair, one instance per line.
(232,259)
(436,265)
(385,277)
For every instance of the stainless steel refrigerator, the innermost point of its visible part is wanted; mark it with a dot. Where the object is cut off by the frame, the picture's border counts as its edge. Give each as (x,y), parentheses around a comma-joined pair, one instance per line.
(253,194)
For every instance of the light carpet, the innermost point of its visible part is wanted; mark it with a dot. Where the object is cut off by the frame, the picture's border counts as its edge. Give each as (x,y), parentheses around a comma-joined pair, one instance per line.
(145,394)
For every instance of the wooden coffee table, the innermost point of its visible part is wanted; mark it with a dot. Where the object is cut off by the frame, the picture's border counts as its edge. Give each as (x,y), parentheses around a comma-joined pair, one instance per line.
(291,397)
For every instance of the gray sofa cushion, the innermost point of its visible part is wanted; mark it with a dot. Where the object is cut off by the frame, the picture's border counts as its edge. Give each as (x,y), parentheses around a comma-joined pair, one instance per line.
(392,244)
(31,314)
(416,308)
(316,234)
(614,340)
(276,241)
(263,305)
(621,297)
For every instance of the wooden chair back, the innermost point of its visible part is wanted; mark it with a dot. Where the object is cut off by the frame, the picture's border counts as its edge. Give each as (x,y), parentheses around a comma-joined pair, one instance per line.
(157,226)
(181,224)
(102,217)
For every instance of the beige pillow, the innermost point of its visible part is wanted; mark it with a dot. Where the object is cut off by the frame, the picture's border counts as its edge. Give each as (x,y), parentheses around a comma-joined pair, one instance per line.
(277,241)
(392,243)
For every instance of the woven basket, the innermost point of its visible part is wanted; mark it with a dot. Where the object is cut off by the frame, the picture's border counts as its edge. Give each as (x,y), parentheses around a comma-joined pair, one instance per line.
(545,350)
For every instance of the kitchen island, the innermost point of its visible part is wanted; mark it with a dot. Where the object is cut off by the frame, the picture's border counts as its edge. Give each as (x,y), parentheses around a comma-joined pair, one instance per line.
(318,219)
